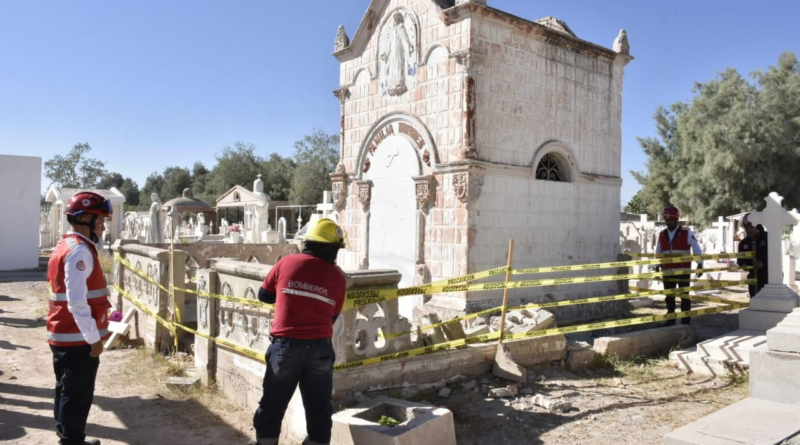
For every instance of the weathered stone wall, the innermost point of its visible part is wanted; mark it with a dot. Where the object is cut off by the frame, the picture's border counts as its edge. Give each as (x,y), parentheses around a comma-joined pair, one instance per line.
(154,263)
(201,252)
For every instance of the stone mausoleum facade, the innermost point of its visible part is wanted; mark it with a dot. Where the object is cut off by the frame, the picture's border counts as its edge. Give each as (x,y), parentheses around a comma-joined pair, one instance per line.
(463,126)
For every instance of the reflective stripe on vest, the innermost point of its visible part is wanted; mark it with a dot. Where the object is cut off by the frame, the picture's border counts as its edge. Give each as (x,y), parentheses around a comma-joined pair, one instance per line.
(89,295)
(69,338)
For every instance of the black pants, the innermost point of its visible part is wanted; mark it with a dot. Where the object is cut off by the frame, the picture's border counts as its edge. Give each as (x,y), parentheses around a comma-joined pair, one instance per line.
(756,288)
(75,375)
(674,282)
(292,362)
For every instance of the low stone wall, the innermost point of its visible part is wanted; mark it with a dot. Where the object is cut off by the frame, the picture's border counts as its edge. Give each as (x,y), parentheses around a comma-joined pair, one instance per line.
(200,253)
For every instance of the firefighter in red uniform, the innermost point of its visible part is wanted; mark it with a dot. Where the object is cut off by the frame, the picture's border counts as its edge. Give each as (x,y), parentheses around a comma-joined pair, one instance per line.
(77,321)
(677,240)
(308,291)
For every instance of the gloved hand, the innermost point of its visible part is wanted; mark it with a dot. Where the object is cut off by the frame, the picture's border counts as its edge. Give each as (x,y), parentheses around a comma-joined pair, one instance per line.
(699,266)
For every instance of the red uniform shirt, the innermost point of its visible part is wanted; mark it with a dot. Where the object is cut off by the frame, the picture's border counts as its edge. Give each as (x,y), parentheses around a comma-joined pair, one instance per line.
(308,293)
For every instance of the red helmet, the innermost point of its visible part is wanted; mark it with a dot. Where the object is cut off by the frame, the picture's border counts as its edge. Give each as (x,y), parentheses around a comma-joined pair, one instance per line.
(88,202)
(671,212)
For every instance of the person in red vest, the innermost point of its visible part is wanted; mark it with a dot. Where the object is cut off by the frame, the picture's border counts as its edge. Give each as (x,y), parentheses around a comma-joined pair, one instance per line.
(678,240)
(77,322)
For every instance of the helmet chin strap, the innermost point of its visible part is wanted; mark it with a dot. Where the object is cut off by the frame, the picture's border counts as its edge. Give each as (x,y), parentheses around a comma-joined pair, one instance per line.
(90,225)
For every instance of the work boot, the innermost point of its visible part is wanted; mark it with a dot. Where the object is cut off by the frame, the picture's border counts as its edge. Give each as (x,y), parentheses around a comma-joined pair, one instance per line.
(264,441)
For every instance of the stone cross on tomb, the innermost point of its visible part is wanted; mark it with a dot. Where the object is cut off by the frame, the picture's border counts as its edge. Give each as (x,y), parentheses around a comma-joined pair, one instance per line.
(721,225)
(326,208)
(391,155)
(774,218)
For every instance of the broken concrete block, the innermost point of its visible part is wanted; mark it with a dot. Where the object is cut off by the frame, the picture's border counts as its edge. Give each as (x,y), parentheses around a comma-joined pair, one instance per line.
(550,404)
(444,392)
(182,383)
(453,331)
(579,354)
(476,330)
(432,336)
(468,386)
(506,368)
(508,391)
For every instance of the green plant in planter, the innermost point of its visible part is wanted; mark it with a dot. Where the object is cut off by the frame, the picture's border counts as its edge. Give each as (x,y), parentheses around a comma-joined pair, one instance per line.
(388,421)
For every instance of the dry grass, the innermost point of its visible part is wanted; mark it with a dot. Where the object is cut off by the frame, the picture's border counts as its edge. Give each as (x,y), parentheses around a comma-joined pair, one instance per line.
(106,262)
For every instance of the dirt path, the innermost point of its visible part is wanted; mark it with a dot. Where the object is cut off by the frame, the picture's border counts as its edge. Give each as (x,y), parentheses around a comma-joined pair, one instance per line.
(619,402)
(131,405)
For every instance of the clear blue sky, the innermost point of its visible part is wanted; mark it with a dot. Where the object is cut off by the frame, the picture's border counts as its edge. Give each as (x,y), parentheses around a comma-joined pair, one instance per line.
(151,84)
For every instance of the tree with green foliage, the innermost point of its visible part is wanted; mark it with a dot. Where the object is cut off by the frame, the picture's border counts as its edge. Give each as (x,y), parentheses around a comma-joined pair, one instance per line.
(315,156)
(75,170)
(237,165)
(733,144)
(277,174)
(638,205)
(126,186)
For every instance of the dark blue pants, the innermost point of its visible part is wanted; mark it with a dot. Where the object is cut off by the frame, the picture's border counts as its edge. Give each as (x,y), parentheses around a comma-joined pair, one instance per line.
(290,362)
(75,375)
(671,282)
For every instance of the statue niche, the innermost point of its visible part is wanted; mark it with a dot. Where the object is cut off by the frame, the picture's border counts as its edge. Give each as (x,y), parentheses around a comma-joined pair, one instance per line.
(397,53)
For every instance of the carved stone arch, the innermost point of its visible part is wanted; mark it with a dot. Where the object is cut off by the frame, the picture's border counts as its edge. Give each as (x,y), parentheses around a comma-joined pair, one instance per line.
(413,16)
(426,151)
(435,49)
(362,71)
(562,154)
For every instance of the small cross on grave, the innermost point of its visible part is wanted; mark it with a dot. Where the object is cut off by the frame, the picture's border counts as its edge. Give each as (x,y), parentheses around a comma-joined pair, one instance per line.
(774,218)
(721,225)
(326,208)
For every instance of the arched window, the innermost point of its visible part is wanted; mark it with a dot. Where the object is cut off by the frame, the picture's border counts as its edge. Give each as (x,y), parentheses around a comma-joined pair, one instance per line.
(550,169)
(236,197)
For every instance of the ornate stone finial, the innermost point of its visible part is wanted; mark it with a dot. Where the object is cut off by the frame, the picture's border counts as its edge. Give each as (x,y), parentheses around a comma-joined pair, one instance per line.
(461,2)
(621,45)
(342,41)
(187,193)
(340,168)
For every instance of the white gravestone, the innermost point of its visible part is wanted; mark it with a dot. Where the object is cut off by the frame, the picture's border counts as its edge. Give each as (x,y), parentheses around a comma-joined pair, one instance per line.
(775,296)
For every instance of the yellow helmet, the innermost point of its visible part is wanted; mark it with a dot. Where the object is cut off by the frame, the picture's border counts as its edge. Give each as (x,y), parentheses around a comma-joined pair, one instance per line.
(327,231)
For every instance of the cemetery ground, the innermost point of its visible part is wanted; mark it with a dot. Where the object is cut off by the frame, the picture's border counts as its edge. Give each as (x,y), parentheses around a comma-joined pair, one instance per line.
(633,401)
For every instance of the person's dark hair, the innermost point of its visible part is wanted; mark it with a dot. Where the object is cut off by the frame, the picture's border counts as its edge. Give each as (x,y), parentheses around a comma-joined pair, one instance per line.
(760,228)
(324,251)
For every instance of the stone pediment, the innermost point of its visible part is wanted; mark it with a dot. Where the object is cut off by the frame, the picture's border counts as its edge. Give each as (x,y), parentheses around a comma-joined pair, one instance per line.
(372,21)
(237,196)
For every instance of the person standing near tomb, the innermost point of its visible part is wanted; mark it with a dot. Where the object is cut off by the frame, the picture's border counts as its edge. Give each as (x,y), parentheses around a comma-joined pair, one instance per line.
(77,321)
(756,242)
(308,291)
(677,240)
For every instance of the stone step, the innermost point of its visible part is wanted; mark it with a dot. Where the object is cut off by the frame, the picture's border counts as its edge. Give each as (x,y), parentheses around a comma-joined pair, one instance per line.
(751,421)
(774,376)
(734,346)
(692,361)
(759,320)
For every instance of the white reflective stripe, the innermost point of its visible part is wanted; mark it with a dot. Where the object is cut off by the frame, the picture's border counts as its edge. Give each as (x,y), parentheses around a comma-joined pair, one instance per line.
(71,337)
(89,295)
(308,294)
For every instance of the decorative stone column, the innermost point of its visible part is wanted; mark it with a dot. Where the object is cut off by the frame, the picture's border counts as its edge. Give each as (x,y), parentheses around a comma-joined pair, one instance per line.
(468,62)
(342,94)
(364,197)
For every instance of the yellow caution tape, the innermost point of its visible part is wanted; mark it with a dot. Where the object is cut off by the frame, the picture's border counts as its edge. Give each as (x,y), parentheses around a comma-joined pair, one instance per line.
(366,297)
(536,334)
(589,300)
(169,325)
(667,260)
(247,301)
(705,256)
(246,351)
(135,270)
